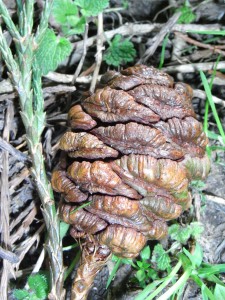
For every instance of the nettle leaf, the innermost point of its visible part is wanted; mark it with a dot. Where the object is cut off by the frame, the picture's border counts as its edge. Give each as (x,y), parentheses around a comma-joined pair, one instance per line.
(52,51)
(90,7)
(187,16)
(77,28)
(160,257)
(21,294)
(65,11)
(119,52)
(38,283)
(196,229)
(180,234)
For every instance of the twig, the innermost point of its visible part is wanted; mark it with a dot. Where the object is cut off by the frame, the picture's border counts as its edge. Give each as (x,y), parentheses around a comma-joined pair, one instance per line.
(99,52)
(4,206)
(159,37)
(199,44)
(13,151)
(216,199)
(8,255)
(130,29)
(80,65)
(66,78)
(202,95)
(191,68)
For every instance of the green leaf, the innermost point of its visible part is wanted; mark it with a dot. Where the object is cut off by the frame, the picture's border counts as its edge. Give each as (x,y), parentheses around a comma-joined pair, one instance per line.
(145,253)
(196,257)
(119,52)
(187,16)
(91,7)
(52,51)
(21,294)
(65,11)
(113,273)
(207,269)
(196,229)
(63,228)
(160,257)
(140,275)
(219,292)
(38,283)
(78,28)
(180,234)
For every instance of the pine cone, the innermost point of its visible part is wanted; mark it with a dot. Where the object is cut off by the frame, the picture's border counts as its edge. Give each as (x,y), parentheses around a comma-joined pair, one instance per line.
(138,145)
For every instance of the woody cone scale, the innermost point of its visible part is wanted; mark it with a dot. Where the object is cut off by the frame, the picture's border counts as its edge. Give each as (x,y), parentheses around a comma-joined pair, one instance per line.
(133,148)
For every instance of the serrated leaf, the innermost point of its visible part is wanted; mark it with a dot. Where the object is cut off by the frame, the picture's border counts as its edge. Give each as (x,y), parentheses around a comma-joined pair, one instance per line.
(187,16)
(145,253)
(90,7)
(180,234)
(64,11)
(160,257)
(52,51)
(219,292)
(21,294)
(119,52)
(78,28)
(196,229)
(38,283)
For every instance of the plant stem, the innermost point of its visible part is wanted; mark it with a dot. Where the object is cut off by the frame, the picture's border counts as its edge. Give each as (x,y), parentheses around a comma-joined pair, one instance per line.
(177,285)
(166,281)
(26,78)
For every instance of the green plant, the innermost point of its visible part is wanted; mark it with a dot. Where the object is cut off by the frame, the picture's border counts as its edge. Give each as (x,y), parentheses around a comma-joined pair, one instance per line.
(25,75)
(183,234)
(119,51)
(187,15)
(195,269)
(73,15)
(38,289)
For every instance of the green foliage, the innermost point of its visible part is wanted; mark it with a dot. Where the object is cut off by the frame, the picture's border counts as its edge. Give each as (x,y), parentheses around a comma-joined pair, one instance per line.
(63,229)
(219,292)
(187,16)
(38,289)
(183,234)
(66,13)
(194,268)
(52,51)
(119,52)
(160,257)
(90,7)
(21,294)
(72,15)
(118,261)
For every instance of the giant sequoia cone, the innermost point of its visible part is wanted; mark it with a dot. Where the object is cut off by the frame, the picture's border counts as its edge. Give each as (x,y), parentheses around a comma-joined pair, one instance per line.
(136,146)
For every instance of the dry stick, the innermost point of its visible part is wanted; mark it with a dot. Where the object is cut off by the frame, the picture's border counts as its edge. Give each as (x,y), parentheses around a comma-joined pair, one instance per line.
(99,52)
(4,145)
(129,29)
(80,65)
(159,37)
(191,68)
(199,44)
(4,206)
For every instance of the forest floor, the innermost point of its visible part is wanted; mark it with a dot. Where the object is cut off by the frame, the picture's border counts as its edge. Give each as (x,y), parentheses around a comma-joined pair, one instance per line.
(159,40)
